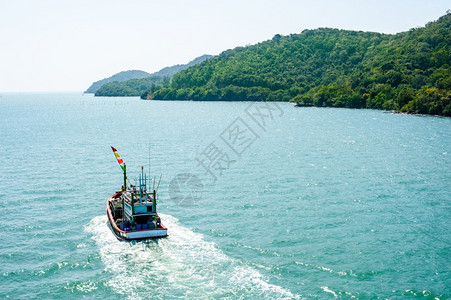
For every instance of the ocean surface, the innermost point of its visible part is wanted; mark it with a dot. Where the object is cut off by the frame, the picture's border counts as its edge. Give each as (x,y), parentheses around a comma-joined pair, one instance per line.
(262,200)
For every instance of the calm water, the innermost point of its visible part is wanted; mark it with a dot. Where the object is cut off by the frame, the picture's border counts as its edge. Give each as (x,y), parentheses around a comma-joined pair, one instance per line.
(311,203)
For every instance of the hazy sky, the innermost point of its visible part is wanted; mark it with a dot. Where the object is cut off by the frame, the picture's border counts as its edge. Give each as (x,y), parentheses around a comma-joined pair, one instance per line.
(65,45)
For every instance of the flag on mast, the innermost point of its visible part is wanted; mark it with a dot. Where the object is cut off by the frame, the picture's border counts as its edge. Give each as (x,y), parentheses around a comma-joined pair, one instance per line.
(119,159)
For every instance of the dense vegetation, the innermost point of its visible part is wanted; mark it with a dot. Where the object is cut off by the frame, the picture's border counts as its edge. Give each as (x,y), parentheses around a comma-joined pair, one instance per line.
(119,77)
(171,71)
(132,87)
(137,85)
(408,72)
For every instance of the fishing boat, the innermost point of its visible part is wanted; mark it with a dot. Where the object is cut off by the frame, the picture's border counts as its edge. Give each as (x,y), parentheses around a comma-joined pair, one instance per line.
(132,211)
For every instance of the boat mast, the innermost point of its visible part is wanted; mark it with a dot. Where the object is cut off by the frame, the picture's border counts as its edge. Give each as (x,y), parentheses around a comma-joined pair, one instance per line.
(155,195)
(154,201)
(125,177)
(122,164)
(142,186)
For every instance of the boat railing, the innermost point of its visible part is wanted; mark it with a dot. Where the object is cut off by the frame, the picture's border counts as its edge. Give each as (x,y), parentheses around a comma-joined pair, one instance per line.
(137,199)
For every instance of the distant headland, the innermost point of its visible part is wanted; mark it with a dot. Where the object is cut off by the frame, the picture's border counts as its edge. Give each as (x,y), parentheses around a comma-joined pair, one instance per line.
(135,82)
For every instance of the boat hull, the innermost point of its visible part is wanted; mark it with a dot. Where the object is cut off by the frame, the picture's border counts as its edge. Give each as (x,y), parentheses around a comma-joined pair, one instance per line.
(144,234)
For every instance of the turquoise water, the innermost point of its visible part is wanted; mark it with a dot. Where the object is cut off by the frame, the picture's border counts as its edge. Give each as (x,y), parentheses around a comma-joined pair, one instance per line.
(313,203)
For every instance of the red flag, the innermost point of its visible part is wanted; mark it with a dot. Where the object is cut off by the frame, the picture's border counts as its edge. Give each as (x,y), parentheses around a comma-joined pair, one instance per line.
(119,159)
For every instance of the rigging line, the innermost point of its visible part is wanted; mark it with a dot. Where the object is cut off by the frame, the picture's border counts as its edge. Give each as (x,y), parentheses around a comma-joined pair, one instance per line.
(149,157)
(150,178)
(159,182)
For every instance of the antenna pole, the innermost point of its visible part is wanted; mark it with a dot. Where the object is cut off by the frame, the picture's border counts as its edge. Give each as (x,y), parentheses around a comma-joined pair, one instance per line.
(149,158)
(159,182)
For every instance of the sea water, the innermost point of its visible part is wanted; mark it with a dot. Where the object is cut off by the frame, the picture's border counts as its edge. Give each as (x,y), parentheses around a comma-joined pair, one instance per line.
(261,200)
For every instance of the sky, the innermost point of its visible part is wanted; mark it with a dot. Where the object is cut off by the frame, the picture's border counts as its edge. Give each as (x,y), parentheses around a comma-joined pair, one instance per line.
(65,45)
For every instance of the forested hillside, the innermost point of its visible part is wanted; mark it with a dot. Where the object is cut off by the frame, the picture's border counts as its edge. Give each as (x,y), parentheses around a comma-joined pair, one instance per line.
(408,72)
(119,77)
(132,87)
(171,71)
(135,87)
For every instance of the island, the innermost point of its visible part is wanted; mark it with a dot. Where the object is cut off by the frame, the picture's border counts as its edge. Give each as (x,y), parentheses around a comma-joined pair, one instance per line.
(135,83)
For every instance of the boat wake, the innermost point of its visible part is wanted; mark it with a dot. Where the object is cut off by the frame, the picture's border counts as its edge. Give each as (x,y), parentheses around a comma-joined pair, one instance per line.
(181,265)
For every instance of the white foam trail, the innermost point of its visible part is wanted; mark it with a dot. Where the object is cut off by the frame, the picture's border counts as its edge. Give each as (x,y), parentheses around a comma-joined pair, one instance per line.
(327,290)
(181,265)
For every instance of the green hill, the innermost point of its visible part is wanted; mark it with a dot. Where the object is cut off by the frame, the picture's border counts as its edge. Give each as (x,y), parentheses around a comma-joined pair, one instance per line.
(171,71)
(132,87)
(136,86)
(119,77)
(408,71)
